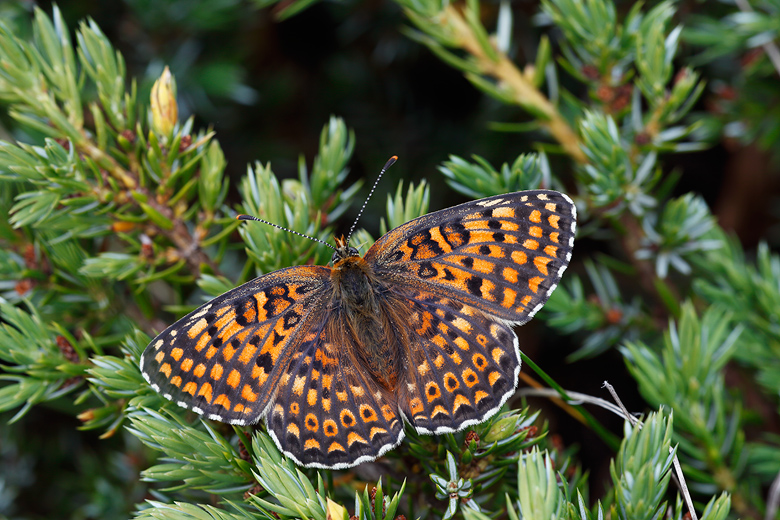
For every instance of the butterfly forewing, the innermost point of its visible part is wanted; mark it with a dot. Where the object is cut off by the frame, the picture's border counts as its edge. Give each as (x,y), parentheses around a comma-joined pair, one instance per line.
(504,254)
(225,358)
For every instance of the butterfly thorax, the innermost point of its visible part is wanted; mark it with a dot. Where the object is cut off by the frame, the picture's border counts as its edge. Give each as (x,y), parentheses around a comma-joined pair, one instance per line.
(357,298)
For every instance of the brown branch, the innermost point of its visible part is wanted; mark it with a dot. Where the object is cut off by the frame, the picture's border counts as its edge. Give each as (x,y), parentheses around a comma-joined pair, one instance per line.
(187,245)
(525,93)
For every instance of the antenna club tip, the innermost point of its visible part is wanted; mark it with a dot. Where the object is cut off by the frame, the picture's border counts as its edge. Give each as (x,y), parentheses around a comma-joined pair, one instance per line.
(389,163)
(244,217)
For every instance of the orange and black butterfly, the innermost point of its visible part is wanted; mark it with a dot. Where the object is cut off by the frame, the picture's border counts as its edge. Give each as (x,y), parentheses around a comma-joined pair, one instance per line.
(336,358)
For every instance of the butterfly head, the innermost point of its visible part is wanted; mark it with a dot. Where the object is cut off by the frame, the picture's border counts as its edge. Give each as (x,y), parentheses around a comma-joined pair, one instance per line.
(343,250)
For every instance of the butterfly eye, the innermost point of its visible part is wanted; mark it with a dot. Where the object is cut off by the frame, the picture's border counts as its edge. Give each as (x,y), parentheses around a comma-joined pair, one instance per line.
(341,254)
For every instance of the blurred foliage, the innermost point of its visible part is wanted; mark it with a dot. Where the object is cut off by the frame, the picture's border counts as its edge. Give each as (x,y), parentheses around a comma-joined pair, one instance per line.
(127,129)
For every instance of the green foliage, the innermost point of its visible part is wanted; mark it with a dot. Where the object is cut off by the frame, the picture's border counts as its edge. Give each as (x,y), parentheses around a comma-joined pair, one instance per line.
(740,38)
(120,218)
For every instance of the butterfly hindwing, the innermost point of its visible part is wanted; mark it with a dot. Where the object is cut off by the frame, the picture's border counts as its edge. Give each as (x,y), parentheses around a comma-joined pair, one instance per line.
(463,364)
(503,254)
(224,359)
(326,413)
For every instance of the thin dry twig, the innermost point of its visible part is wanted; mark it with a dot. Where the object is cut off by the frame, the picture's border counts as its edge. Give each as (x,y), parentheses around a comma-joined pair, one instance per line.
(678,470)
(773,499)
(620,410)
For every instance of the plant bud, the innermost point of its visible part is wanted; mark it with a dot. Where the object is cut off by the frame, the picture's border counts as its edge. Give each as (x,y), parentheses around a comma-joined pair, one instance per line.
(165,111)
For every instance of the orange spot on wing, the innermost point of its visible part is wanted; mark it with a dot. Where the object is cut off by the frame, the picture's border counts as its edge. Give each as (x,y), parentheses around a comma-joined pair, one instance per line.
(553,220)
(248,395)
(531,244)
(176,380)
(247,353)
(519,257)
(335,446)
(551,251)
(234,378)
(260,300)
(387,412)
(376,430)
(535,216)
(480,236)
(259,374)
(199,370)
(438,410)
(176,354)
(509,298)
(541,264)
(227,314)
(231,330)
(535,231)
(205,391)
(461,343)
(311,444)
(197,328)
(483,266)
(460,400)
(470,377)
(228,351)
(534,282)
(330,428)
(475,225)
(432,391)
(160,356)
(190,388)
(222,400)
(509,274)
(353,437)
(216,372)
(503,212)
(202,342)
(298,385)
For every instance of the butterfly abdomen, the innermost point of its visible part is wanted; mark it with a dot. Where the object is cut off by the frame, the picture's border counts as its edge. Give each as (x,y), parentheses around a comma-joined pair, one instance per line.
(369,340)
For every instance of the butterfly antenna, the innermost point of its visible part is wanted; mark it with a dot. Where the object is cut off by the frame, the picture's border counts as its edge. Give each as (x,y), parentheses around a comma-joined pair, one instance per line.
(387,165)
(250,217)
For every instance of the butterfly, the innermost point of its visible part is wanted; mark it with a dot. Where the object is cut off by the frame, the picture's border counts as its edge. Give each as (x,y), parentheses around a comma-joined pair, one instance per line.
(336,358)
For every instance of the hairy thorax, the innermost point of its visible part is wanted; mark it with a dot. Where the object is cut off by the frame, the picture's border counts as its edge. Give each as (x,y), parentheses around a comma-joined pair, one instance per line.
(370,334)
